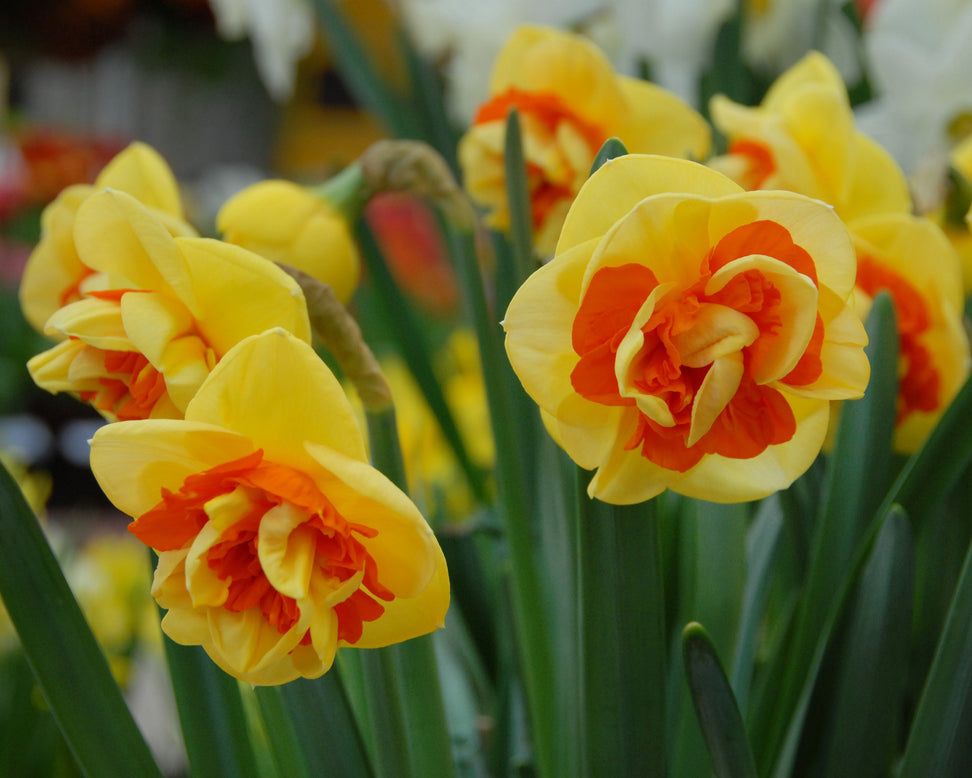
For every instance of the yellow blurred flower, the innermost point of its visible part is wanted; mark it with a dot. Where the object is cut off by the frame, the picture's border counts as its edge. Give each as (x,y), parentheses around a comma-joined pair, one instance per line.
(109,576)
(296,226)
(278,542)
(164,311)
(569,100)
(689,335)
(802,138)
(911,259)
(55,274)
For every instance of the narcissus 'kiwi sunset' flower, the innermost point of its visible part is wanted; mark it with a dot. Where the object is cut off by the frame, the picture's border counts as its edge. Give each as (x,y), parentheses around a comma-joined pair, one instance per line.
(802,138)
(297,226)
(689,335)
(569,101)
(55,275)
(161,314)
(278,542)
(911,259)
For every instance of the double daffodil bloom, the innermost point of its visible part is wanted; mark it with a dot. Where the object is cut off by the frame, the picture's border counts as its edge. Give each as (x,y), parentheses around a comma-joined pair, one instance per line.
(278,543)
(689,335)
(296,226)
(802,138)
(164,311)
(55,274)
(570,100)
(912,259)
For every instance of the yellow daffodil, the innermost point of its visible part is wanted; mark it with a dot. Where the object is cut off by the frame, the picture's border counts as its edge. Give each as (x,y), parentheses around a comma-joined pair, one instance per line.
(278,542)
(165,311)
(911,259)
(55,275)
(296,226)
(802,138)
(689,335)
(569,100)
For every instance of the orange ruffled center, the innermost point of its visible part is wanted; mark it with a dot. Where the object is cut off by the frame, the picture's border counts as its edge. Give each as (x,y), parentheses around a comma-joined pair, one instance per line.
(548,111)
(759,159)
(756,416)
(131,385)
(919,386)
(339,554)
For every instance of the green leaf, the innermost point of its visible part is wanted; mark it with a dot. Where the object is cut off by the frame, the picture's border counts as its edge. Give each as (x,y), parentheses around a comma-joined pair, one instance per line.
(285,747)
(623,641)
(612,148)
(719,717)
(415,348)
(210,713)
(70,667)
(865,427)
(504,396)
(518,197)
(939,742)
(325,725)
(872,664)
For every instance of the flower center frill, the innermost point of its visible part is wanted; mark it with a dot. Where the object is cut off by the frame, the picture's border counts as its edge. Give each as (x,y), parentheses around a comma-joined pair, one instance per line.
(262,536)
(919,381)
(696,362)
(562,145)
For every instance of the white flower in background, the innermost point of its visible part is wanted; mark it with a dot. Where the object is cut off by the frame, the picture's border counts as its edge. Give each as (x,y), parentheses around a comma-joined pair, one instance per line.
(919,57)
(778,33)
(281,31)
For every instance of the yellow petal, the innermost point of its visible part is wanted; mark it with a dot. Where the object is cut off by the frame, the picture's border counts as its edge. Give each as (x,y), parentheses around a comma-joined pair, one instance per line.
(239,294)
(717,390)
(246,644)
(621,183)
(97,322)
(275,390)
(141,171)
(406,618)
(405,546)
(662,123)
(287,553)
(134,460)
(205,587)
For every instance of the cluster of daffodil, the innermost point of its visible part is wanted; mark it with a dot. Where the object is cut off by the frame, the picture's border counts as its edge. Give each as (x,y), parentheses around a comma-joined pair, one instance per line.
(232,445)
(692,303)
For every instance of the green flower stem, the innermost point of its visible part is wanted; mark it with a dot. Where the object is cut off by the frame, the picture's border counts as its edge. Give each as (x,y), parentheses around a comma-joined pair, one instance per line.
(518,197)
(413,664)
(529,606)
(211,715)
(285,746)
(622,638)
(66,660)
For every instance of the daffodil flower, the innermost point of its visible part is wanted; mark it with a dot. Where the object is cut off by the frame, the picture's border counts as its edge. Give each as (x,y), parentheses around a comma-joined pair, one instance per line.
(55,274)
(164,312)
(570,100)
(912,259)
(802,138)
(689,335)
(294,225)
(278,543)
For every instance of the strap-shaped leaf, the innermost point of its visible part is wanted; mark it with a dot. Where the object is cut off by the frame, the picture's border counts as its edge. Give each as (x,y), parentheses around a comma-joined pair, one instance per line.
(610,149)
(69,666)
(719,717)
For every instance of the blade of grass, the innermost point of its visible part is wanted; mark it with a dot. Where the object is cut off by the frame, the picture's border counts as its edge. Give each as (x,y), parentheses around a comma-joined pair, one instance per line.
(872,667)
(938,743)
(863,438)
(518,197)
(413,662)
(622,638)
(285,746)
(719,717)
(67,662)
(211,715)
(325,726)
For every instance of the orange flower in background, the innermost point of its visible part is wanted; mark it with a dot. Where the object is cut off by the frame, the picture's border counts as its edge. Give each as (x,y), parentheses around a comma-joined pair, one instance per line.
(158,312)
(569,101)
(802,138)
(55,275)
(278,543)
(911,259)
(689,335)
